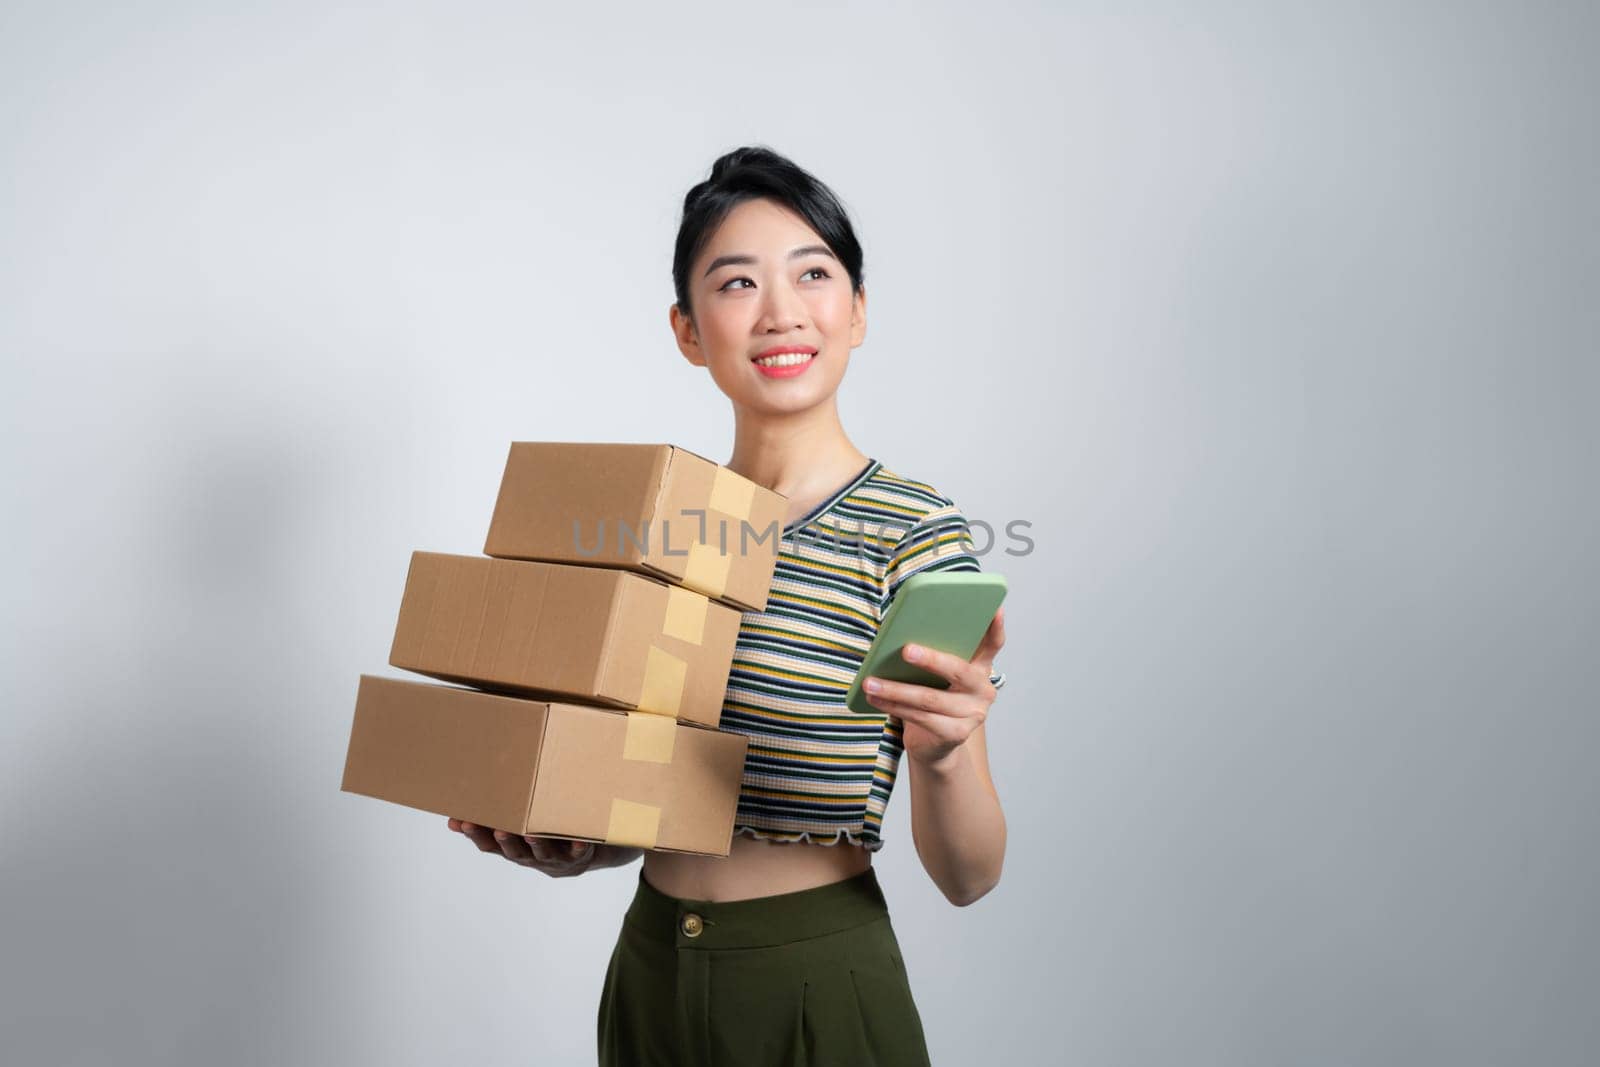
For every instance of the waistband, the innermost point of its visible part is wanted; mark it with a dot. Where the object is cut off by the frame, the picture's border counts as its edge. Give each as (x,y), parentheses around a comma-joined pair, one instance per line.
(758,922)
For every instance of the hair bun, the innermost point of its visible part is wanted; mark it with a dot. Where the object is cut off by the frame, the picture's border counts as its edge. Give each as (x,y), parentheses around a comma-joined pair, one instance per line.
(749,172)
(747,155)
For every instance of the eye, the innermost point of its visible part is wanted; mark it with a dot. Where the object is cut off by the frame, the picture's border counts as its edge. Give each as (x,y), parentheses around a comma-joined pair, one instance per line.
(741,278)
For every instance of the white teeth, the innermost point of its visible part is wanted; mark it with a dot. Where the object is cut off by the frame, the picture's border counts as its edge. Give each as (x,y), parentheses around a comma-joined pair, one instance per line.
(788,359)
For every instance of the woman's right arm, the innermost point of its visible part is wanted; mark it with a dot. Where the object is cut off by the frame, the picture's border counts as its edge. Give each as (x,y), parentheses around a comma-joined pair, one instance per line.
(558,857)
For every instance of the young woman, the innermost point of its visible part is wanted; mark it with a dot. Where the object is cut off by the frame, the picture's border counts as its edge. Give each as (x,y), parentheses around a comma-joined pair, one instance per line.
(783,952)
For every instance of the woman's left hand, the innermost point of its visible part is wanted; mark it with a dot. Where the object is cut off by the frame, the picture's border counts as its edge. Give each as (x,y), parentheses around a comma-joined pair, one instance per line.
(939,721)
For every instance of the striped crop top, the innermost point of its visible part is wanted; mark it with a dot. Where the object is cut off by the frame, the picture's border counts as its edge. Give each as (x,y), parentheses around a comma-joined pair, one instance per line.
(814,770)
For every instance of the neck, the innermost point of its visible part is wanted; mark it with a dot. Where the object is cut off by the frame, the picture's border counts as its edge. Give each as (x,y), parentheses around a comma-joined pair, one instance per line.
(798,455)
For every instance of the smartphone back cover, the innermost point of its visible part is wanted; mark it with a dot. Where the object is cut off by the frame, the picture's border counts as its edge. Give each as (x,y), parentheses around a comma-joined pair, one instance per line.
(944,610)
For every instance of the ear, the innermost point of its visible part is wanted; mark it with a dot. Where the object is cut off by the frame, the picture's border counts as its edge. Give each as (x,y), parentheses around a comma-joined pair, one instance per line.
(858,317)
(684,333)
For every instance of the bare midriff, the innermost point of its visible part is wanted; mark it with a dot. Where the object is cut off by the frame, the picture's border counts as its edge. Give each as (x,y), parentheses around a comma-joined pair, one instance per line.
(754,868)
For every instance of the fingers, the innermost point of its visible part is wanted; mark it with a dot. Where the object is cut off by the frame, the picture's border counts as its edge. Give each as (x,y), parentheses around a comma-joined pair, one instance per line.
(891,695)
(553,855)
(554,850)
(953,669)
(558,857)
(561,850)
(482,836)
(948,714)
(960,673)
(514,847)
(948,729)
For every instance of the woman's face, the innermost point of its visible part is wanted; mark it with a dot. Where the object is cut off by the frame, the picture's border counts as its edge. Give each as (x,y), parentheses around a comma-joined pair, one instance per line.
(766,280)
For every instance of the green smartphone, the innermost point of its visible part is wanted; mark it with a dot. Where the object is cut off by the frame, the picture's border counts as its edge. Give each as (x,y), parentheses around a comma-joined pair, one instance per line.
(945,610)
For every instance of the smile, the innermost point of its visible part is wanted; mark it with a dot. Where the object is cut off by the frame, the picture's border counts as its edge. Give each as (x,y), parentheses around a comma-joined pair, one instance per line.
(786,365)
(784,359)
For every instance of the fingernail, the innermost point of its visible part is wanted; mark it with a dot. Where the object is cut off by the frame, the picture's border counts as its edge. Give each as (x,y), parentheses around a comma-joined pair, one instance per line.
(913,653)
(873,685)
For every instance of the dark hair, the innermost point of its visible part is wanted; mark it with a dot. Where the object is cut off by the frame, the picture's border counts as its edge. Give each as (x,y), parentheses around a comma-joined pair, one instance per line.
(750,173)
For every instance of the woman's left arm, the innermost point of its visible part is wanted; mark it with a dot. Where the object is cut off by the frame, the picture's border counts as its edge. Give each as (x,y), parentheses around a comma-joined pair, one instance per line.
(956,823)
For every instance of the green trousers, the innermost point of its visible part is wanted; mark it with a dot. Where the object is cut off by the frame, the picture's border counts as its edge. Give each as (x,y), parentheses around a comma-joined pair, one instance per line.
(807,979)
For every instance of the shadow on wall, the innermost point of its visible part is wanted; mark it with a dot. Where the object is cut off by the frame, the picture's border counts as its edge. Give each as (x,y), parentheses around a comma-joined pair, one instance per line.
(156,871)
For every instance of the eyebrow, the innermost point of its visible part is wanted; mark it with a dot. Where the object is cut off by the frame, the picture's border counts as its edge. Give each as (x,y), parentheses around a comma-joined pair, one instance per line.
(806,250)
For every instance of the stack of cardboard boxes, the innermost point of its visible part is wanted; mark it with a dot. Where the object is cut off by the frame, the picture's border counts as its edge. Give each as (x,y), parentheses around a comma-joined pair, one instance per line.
(597,633)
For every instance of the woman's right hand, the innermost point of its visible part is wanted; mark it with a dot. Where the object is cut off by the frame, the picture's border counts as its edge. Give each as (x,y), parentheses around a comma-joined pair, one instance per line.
(559,857)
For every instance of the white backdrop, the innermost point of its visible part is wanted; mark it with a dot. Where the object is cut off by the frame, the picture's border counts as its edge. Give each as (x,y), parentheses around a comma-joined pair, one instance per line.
(1277,322)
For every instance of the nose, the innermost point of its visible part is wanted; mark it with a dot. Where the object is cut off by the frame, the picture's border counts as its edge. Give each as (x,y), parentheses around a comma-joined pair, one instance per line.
(782,310)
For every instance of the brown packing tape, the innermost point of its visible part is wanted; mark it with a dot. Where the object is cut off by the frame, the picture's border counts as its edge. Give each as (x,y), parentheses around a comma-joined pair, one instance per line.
(707,569)
(664,675)
(650,737)
(686,615)
(633,825)
(731,494)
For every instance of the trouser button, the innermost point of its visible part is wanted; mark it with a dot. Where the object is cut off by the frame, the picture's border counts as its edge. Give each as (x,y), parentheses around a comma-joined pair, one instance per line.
(691,925)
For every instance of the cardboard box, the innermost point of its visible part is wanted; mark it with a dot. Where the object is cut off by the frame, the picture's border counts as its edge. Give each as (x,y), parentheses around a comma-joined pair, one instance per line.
(656,509)
(590,634)
(532,767)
